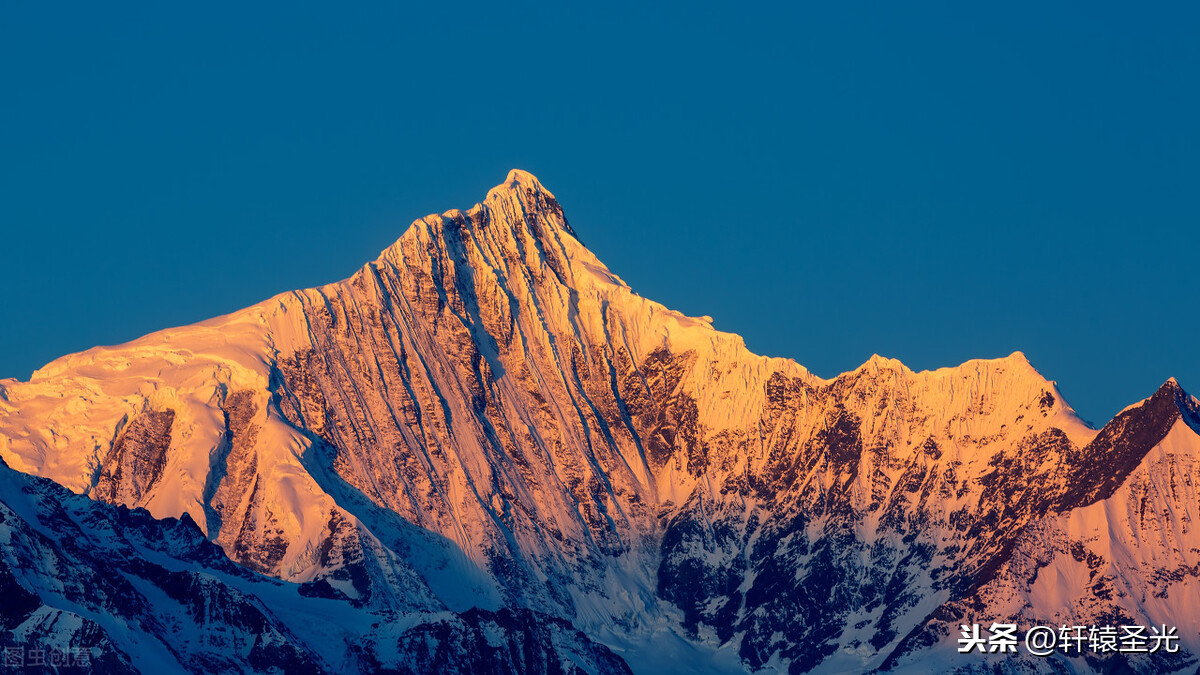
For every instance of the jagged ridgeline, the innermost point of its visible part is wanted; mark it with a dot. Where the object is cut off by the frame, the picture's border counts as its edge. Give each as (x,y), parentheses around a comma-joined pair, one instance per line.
(484,447)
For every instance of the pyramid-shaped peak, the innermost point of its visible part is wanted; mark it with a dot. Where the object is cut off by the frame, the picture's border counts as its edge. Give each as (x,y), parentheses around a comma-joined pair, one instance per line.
(518,181)
(1188,405)
(1172,398)
(520,204)
(1172,388)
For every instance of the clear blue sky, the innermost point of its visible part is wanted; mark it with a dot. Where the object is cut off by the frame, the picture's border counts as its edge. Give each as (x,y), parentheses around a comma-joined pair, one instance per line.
(935,182)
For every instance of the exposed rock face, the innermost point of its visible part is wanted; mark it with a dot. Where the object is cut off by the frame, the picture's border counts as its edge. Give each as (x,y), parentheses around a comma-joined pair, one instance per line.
(486,417)
(135,462)
(1125,553)
(129,591)
(89,587)
(507,641)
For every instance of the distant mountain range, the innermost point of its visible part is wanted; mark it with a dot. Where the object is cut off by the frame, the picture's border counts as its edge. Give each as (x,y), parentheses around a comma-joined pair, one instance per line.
(483,452)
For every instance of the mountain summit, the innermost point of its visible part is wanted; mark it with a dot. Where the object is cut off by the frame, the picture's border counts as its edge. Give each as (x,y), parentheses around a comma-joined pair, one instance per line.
(486,419)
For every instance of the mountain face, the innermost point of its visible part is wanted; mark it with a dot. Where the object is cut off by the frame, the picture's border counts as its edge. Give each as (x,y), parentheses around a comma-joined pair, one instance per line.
(1121,552)
(487,425)
(115,590)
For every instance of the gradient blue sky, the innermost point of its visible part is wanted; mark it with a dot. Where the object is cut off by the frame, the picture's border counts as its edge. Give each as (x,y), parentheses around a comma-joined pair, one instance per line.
(933,182)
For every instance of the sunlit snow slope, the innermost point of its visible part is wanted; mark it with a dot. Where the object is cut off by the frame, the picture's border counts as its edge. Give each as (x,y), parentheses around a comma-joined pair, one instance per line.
(486,416)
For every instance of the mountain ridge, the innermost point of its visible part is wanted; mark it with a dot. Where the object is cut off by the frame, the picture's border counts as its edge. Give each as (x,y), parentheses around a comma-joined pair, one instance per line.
(486,416)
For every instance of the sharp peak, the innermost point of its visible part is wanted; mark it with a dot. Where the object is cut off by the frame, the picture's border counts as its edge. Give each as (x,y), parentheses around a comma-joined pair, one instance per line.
(1186,401)
(517,181)
(1171,388)
(515,185)
(1169,393)
(521,196)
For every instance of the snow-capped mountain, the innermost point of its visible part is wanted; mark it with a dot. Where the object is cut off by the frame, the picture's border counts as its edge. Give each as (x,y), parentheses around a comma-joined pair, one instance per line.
(485,419)
(1120,549)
